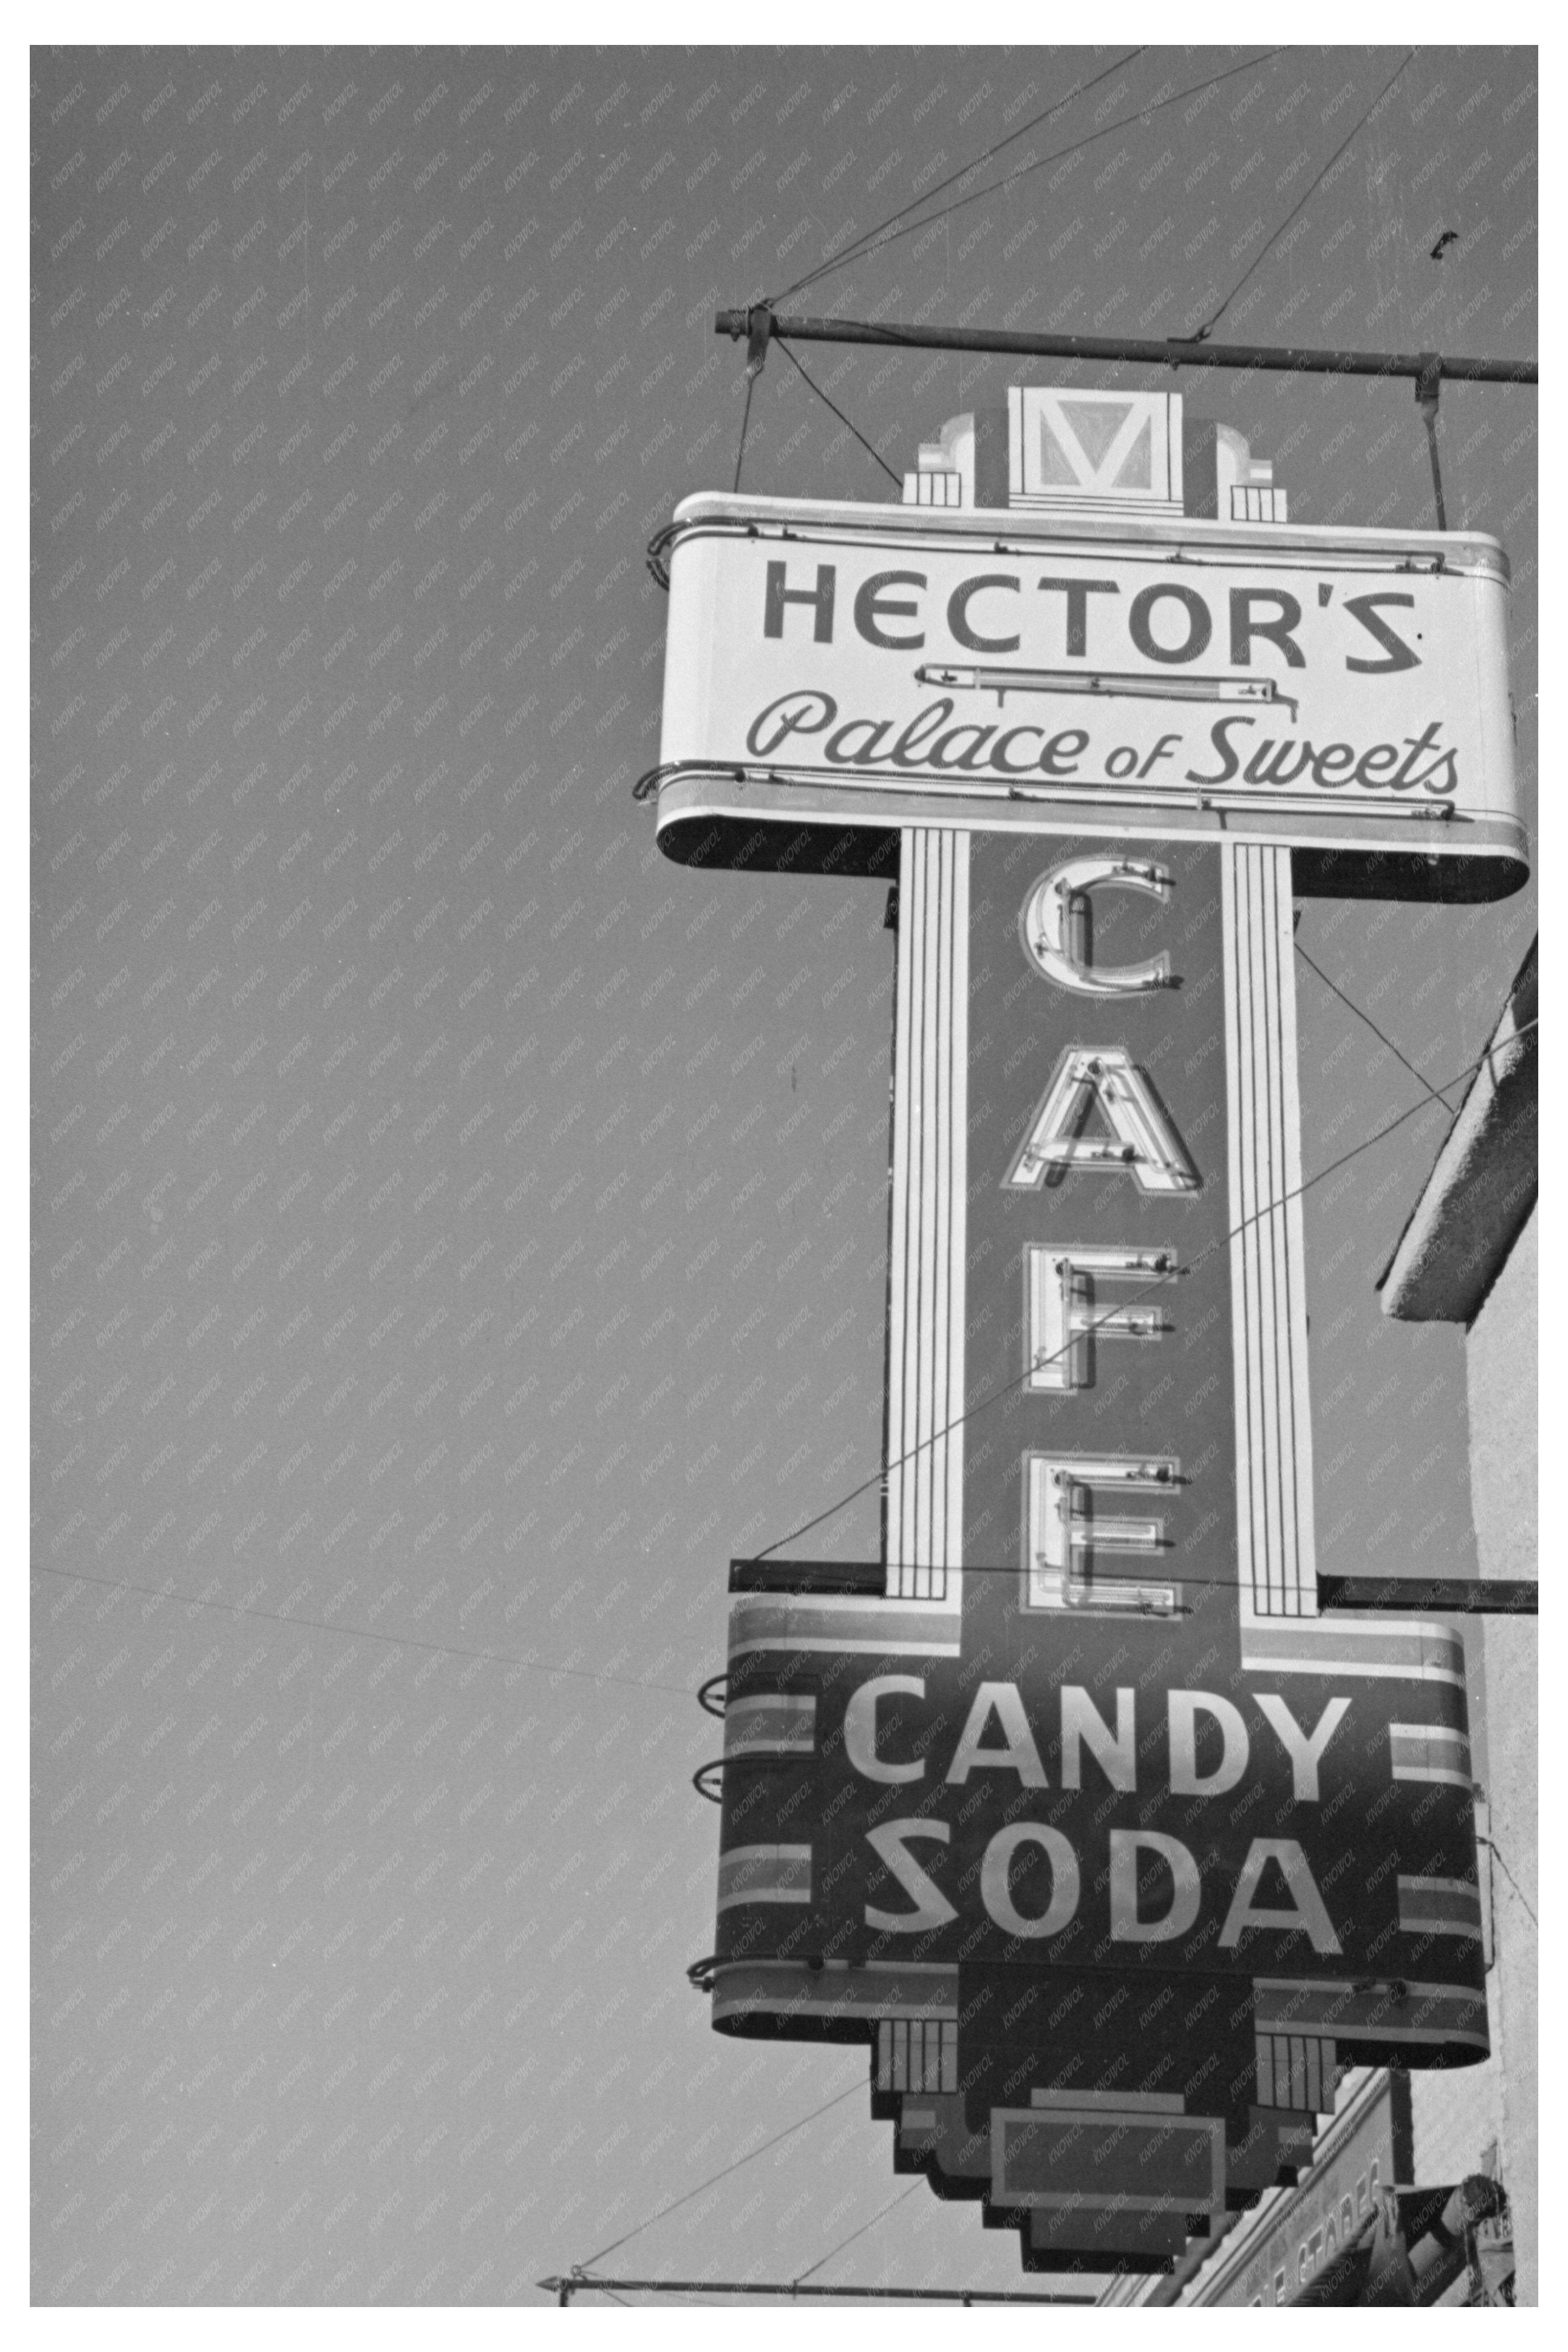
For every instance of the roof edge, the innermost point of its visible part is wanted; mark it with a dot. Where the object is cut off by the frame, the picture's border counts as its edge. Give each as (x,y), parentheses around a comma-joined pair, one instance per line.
(1482,1187)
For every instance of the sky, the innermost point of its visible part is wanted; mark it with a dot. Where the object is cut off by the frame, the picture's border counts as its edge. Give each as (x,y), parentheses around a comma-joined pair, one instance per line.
(456,1230)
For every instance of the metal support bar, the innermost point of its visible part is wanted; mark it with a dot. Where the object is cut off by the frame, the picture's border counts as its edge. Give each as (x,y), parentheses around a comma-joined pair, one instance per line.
(562,2288)
(758,327)
(841,1577)
(1174,353)
(1466,1596)
(1427,385)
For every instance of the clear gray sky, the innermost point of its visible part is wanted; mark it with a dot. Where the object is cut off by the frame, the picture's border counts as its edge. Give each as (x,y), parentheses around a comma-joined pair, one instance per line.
(455,1229)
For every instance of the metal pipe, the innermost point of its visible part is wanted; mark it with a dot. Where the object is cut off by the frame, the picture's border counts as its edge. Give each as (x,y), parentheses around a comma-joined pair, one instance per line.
(1278,359)
(1477,1595)
(1468,1596)
(574,2284)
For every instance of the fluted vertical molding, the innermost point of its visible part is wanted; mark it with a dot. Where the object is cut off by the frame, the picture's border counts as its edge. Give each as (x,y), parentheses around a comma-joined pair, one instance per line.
(1277,1556)
(926,1263)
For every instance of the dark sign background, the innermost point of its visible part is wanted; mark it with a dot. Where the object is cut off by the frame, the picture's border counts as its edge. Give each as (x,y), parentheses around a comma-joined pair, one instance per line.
(1172,1396)
(1362,1831)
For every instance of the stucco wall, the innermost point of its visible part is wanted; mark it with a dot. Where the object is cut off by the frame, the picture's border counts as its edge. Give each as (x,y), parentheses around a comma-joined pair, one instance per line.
(1457,2113)
(1501,1378)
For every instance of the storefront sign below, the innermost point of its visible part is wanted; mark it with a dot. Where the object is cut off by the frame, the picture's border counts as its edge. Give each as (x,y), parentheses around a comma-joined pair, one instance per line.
(1362,2158)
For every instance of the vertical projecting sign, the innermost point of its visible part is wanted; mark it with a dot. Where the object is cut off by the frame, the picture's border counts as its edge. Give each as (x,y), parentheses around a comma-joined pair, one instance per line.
(1075,1807)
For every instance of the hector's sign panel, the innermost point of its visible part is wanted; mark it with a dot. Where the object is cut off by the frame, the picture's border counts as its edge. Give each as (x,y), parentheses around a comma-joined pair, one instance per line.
(854,668)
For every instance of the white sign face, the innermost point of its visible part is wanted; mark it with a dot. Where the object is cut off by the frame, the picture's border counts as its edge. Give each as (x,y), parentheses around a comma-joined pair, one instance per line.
(1344,691)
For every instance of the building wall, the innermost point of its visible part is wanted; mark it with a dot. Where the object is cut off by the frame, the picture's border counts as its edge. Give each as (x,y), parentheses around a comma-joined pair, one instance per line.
(1501,1378)
(1457,2113)
(1500,1375)
(1483,2118)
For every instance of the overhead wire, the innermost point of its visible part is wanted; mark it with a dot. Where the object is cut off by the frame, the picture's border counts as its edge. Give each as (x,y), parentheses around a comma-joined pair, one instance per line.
(1057,156)
(859,437)
(676,2202)
(1492,1848)
(356,1633)
(859,245)
(1362,1015)
(1201,334)
(801,2276)
(1131,1298)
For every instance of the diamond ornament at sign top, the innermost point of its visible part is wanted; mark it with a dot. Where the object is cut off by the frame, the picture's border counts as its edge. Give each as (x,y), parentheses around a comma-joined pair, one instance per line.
(1124,447)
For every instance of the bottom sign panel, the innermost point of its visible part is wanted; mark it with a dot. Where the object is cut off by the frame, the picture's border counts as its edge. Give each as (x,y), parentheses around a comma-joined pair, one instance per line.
(1112,1906)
